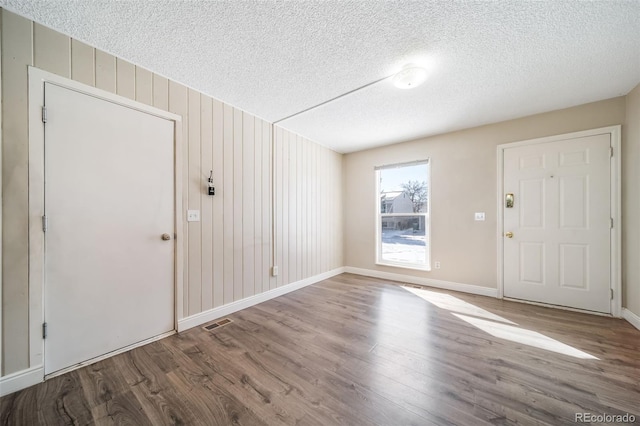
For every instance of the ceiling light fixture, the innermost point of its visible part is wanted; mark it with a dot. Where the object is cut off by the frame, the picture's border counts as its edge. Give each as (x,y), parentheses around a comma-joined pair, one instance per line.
(409,77)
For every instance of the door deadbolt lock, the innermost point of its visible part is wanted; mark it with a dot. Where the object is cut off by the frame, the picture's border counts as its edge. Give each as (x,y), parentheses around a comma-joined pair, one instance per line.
(508,234)
(166,237)
(508,201)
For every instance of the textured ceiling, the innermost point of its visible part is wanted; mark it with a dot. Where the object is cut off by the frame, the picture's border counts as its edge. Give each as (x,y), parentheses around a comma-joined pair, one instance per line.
(488,61)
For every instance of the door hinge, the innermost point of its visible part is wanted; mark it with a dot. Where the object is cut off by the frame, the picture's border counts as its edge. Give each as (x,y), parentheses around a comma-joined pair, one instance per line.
(611,223)
(45,223)
(44,114)
(44,330)
(610,152)
(611,294)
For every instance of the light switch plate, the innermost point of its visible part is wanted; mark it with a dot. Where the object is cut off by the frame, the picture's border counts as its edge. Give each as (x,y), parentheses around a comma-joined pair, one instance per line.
(193,215)
(479,216)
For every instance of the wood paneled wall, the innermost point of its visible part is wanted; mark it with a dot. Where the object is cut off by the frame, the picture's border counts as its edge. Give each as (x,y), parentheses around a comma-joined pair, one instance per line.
(228,254)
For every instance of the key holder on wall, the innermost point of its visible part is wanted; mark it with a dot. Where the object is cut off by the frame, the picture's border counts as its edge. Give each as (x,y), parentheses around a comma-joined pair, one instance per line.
(211,189)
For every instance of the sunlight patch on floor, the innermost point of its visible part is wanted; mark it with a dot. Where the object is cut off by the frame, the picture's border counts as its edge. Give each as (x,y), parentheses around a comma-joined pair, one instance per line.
(496,325)
(525,337)
(453,304)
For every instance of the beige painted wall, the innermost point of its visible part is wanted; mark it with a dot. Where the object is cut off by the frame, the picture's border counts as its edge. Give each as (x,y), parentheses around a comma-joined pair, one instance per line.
(631,203)
(463,181)
(228,253)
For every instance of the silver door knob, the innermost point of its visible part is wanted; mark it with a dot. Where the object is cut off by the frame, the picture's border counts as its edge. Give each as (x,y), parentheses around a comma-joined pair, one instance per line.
(166,237)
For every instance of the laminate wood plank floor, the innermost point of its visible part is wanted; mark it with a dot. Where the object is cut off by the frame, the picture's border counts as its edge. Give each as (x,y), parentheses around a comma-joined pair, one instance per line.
(354,350)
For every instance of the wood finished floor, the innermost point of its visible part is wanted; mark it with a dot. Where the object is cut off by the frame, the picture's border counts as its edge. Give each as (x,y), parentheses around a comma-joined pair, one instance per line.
(360,351)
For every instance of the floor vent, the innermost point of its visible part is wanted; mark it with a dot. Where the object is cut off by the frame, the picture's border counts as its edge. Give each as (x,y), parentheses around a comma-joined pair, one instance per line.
(217,324)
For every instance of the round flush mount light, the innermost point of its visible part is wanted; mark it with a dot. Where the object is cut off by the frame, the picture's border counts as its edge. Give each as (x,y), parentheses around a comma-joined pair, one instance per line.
(411,76)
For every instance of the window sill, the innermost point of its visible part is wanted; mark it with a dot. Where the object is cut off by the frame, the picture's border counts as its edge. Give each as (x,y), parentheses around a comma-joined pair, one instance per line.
(405,266)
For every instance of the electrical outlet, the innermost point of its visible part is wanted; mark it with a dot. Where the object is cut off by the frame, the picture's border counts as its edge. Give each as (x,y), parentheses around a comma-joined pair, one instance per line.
(193,215)
(479,216)
(437,264)
(274,271)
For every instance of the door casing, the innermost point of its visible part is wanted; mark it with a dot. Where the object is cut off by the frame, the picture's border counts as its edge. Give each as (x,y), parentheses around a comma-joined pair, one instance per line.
(615,203)
(37,79)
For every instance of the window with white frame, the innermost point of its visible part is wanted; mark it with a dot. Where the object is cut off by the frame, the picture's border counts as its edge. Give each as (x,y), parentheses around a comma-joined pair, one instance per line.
(402,210)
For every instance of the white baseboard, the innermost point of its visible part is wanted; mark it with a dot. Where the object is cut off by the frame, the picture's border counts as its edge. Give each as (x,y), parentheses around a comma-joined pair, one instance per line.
(631,317)
(221,311)
(21,380)
(447,285)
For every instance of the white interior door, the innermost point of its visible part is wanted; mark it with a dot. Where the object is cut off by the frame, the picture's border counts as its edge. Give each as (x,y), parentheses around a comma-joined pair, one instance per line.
(560,220)
(109,197)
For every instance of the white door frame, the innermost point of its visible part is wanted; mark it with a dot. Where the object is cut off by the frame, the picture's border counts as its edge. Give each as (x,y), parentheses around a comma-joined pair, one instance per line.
(616,231)
(37,80)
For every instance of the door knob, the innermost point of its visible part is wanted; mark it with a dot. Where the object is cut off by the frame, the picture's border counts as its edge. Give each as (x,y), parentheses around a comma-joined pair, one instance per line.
(166,237)
(508,234)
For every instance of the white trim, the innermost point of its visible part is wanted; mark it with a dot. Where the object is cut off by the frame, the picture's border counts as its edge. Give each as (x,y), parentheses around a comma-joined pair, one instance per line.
(447,285)
(616,207)
(633,319)
(221,311)
(564,308)
(21,380)
(109,355)
(37,80)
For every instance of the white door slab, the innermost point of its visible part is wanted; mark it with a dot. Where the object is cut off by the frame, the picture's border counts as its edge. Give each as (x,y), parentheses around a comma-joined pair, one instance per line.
(560,251)
(109,198)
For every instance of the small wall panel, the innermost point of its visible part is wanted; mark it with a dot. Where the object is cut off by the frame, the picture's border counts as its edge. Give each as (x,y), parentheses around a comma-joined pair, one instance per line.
(52,51)
(217,200)
(228,202)
(195,183)
(144,86)
(206,203)
(83,63)
(105,66)
(125,79)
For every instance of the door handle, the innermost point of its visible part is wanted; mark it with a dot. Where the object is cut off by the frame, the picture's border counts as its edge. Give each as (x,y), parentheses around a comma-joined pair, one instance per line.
(166,237)
(508,234)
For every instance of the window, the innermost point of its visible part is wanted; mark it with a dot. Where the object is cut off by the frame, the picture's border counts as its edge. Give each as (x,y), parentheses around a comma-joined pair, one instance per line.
(403,215)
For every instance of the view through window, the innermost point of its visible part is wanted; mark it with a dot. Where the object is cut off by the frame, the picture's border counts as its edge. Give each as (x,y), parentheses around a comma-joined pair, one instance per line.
(403,215)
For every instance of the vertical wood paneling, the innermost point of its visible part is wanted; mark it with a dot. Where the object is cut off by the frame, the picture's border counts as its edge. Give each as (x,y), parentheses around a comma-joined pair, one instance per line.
(83,63)
(248,205)
(286,199)
(195,190)
(218,206)
(144,86)
(16,55)
(237,205)
(299,208)
(292,208)
(314,197)
(279,185)
(52,50)
(268,281)
(257,208)
(228,225)
(267,181)
(125,79)
(178,104)
(206,214)
(105,71)
(161,92)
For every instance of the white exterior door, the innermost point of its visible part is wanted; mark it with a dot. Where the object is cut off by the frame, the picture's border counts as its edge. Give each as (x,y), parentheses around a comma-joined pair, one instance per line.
(557,234)
(109,198)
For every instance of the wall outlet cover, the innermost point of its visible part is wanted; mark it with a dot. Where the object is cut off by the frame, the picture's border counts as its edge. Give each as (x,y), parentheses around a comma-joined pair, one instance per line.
(479,216)
(193,215)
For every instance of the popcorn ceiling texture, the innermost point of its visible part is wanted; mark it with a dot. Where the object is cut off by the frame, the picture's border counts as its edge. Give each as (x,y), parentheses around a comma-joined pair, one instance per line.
(488,61)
